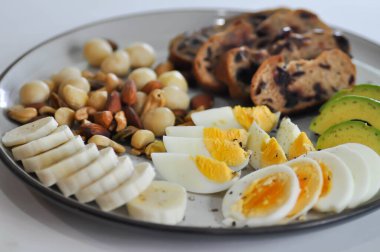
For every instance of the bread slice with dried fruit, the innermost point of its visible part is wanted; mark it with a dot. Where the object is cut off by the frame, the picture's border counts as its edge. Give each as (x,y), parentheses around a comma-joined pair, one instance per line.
(292,86)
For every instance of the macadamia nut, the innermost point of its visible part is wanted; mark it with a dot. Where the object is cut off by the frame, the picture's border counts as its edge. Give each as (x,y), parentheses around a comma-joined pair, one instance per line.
(34,92)
(96,50)
(175,98)
(142,76)
(158,119)
(117,63)
(141,54)
(174,78)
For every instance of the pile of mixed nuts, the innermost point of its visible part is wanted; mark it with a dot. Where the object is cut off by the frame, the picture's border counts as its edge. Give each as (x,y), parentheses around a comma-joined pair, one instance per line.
(125,102)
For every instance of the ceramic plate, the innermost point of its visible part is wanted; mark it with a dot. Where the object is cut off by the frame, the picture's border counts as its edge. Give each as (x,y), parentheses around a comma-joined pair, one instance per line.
(203,212)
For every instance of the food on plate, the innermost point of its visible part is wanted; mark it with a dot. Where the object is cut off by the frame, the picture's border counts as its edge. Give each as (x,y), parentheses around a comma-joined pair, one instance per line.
(173,78)
(346,108)
(73,183)
(265,150)
(141,54)
(198,174)
(51,174)
(162,202)
(45,159)
(294,142)
(139,181)
(366,90)
(310,179)
(360,171)
(29,132)
(59,136)
(236,135)
(262,198)
(117,62)
(96,50)
(295,85)
(237,117)
(34,92)
(226,151)
(108,182)
(338,184)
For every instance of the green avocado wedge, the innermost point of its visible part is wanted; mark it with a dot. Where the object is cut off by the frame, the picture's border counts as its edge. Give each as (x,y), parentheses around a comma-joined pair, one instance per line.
(366,90)
(350,132)
(346,108)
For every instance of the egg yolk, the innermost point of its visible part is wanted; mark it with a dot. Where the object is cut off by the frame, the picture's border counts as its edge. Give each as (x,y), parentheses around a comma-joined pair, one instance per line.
(327,179)
(272,153)
(265,195)
(238,135)
(226,151)
(300,146)
(214,170)
(310,184)
(260,114)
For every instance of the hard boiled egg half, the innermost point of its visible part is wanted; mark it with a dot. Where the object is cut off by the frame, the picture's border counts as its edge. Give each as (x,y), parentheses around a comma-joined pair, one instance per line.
(261,198)
(237,117)
(198,174)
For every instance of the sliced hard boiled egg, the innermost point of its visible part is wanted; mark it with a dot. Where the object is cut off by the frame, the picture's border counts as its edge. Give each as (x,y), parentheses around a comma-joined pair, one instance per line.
(198,174)
(217,117)
(259,114)
(338,184)
(236,135)
(373,162)
(263,197)
(222,150)
(310,178)
(238,117)
(265,150)
(294,142)
(360,172)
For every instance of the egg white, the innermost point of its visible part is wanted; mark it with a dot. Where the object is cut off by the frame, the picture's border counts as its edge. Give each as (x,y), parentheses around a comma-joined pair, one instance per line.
(287,133)
(233,217)
(257,136)
(373,162)
(360,171)
(185,131)
(181,169)
(223,118)
(193,146)
(342,189)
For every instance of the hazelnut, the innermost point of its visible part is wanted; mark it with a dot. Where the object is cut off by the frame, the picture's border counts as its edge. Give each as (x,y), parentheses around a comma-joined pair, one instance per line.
(158,119)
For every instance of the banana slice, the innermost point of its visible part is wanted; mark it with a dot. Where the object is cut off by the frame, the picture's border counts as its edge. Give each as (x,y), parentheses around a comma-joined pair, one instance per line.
(130,189)
(162,202)
(50,175)
(50,157)
(29,132)
(108,182)
(106,161)
(59,136)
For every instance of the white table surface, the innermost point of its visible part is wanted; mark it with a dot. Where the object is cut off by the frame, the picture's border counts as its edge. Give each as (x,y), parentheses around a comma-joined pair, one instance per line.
(30,223)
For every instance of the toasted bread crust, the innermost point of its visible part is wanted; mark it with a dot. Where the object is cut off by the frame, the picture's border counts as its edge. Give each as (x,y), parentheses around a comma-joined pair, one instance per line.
(295,85)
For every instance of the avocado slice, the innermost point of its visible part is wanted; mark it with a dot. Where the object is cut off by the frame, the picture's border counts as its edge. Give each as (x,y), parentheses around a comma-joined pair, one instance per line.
(350,132)
(345,108)
(366,90)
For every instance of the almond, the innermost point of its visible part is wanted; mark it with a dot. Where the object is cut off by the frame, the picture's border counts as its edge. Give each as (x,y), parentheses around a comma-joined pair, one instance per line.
(132,117)
(90,129)
(103,118)
(151,85)
(113,103)
(129,93)
(205,100)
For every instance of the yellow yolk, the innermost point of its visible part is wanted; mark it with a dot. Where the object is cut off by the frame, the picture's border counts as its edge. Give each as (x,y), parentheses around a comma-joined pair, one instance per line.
(260,114)
(238,135)
(300,146)
(272,153)
(327,179)
(230,152)
(309,184)
(214,170)
(264,195)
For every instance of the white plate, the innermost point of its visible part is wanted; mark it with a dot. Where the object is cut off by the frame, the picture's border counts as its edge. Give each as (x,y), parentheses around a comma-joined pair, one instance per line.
(203,211)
